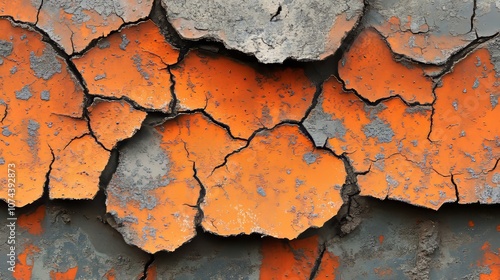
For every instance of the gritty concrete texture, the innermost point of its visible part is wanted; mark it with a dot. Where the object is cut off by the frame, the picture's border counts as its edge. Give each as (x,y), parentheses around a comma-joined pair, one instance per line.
(271,30)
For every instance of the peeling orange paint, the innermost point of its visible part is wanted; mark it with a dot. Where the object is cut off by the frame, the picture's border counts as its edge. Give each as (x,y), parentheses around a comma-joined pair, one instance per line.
(301,192)
(111,274)
(76,169)
(70,274)
(288,259)
(114,121)
(137,70)
(25,263)
(164,215)
(243,97)
(33,222)
(22,10)
(370,69)
(328,267)
(491,261)
(44,107)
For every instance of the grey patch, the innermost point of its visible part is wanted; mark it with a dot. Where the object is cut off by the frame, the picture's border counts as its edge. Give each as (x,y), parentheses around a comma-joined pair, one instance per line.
(496,178)
(124,43)
(415,143)
(374,110)
(494,100)
(478,62)
(103,44)
(99,77)
(298,182)
(45,95)
(494,49)
(423,110)
(391,181)
(2,161)
(380,130)
(301,31)
(489,193)
(24,93)
(13,70)
(476,83)
(6,48)
(464,91)
(310,158)
(321,126)
(462,133)
(23,37)
(138,65)
(470,156)
(261,191)
(46,65)
(33,127)
(379,156)
(455,105)
(6,132)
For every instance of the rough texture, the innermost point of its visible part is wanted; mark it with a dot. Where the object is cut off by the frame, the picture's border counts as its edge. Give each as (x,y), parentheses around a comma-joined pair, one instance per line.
(137,70)
(241,194)
(114,121)
(271,30)
(241,96)
(432,33)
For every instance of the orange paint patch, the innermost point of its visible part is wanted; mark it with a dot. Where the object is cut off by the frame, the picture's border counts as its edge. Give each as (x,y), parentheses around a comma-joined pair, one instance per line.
(242,97)
(288,259)
(471,223)
(32,222)
(381,239)
(76,170)
(114,121)
(70,274)
(111,274)
(44,105)
(135,66)
(153,194)
(25,262)
(302,191)
(465,125)
(73,25)
(491,260)
(328,266)
(369,68)
(498,228)
(21,10)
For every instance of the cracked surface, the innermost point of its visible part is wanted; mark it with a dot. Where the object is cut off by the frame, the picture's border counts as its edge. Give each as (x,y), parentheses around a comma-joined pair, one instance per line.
(140,57)
(271,30)
(242,97)
(307,186)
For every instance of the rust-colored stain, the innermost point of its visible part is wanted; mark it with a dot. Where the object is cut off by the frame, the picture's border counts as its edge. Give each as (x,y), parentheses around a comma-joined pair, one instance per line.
(288,259)
(69,274)
(471,223)
(110,275)
(381,239)
(32,222)
(370,69)
(302,191)
(113,121)
(328,267)
(132,63)
(490,261)
(25,262)
(76,169)
(383,271)
(152,272)
(240,96)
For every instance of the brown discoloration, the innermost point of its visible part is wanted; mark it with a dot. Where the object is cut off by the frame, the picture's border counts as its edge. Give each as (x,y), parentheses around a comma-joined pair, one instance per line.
(239,95)
(114,121)
(241,194)
(134,66)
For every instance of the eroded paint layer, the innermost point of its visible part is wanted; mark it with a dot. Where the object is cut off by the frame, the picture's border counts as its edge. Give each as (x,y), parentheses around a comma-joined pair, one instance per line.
(283,259)
(271,30)
(423,32)
(114,121)
(132,63)
(490,262)
(370,69)
(76,169)
(43,105)
(243,97)
(302,191)
(22,10)
(465,125)
(154,192)
(74,24)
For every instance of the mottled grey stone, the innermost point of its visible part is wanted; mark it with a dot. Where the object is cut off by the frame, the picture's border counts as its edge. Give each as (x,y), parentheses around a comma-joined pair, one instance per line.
(271,30)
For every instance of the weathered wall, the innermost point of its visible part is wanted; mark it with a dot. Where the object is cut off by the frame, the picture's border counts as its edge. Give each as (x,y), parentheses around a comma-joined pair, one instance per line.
(162,139)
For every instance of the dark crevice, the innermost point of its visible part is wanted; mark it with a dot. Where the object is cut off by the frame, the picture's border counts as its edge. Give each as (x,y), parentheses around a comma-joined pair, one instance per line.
(317,94)
(173,104)
(38,12)
(456,188)
(148,264)
(46,185)
(473,16)
(278,12)
(199,215)
(75,138)
(317,263)
(6,112)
